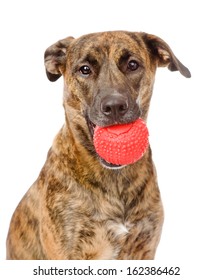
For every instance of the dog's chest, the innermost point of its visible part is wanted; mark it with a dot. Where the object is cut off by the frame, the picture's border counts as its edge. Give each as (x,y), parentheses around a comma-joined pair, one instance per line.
(128,229)
(107,233)
(125,240)
(117,228)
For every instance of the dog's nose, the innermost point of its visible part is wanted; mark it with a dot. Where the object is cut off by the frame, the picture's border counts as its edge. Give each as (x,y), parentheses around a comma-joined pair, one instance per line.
(114,106)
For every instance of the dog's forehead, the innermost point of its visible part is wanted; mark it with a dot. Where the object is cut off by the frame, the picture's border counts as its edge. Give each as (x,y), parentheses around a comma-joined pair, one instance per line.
(108,42)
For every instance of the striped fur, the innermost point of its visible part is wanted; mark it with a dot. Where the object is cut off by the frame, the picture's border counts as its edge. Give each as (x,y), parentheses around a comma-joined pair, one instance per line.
(78,208)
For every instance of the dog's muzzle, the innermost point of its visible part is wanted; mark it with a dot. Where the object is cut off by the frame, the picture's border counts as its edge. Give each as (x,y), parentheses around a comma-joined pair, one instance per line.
(111,107)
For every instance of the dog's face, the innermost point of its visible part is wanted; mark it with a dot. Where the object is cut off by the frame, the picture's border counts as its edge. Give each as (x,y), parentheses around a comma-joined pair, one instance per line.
(108,77)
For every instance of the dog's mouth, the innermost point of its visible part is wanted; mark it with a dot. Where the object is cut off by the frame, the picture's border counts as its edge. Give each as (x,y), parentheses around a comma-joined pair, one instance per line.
(91,127)
(110,165)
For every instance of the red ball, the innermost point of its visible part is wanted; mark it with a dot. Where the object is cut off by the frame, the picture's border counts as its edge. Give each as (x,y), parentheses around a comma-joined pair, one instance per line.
(121,144)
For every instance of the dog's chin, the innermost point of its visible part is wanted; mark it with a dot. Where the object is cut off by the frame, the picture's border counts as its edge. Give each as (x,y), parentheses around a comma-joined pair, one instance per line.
(104,163)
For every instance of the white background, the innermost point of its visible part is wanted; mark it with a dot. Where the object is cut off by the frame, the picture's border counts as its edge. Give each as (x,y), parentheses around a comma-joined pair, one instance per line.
(180,114)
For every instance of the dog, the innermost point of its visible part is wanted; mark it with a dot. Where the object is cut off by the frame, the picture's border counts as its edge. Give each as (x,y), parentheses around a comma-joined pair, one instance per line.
(82,207)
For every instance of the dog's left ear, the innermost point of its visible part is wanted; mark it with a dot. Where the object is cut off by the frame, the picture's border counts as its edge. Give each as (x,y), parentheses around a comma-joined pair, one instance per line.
(161,50)
(55,59)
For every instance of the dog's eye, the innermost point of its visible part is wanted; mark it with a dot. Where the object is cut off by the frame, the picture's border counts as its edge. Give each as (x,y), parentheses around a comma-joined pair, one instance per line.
(85,70)
(132,65)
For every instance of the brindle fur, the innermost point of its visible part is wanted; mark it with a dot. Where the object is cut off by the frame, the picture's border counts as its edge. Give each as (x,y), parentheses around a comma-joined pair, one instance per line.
(78,208)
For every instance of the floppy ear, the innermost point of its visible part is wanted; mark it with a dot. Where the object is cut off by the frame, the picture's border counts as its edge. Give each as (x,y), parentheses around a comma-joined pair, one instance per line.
(55,58)
(163,53)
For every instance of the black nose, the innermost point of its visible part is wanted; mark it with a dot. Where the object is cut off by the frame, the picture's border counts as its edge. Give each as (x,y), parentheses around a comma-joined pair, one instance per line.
(114,106)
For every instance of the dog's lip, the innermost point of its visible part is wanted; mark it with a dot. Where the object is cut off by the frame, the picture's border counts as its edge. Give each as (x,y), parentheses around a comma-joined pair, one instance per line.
(91,127)
(109,165)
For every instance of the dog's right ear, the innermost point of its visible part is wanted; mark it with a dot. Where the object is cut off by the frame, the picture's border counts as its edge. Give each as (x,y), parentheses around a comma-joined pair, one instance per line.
(55,59)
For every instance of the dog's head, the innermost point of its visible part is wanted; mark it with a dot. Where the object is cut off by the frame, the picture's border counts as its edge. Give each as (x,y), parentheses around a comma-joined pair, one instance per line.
(108,77)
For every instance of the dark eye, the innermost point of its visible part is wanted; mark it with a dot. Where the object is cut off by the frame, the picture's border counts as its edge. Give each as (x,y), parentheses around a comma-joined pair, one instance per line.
(132,65)
(85,70)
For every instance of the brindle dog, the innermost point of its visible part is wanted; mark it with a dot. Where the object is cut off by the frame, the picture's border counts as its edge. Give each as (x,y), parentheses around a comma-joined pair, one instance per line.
(82,207)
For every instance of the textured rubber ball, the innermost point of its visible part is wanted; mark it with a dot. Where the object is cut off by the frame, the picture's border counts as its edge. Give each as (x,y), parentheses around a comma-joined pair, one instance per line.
(121,144)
